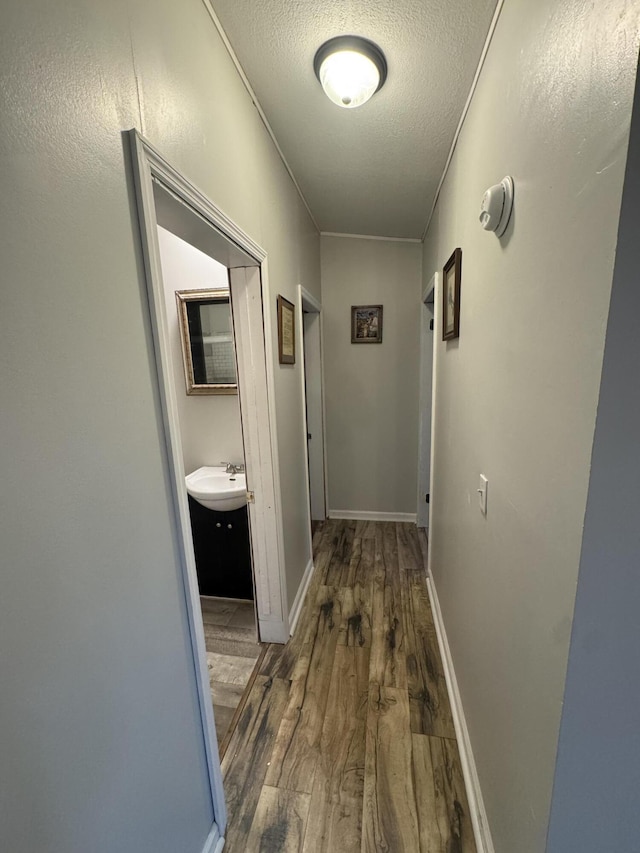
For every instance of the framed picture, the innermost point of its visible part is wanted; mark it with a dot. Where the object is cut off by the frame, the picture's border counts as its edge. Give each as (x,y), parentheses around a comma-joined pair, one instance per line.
(286,331)
(366,324)
(451,278)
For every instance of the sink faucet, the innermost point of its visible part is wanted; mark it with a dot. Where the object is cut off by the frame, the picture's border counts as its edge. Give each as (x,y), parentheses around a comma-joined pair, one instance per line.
(232,468)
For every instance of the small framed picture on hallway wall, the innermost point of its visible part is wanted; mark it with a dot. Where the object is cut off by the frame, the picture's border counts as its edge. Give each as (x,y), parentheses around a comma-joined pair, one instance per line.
(366,324)
(451,279)
(286,331)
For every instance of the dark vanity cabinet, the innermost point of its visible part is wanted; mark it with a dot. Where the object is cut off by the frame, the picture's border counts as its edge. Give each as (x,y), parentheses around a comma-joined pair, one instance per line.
(223,552)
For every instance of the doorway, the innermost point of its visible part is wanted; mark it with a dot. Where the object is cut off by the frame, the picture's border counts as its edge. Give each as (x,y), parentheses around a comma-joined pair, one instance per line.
(168,199)
(310,325)
(201,337)
(428,338)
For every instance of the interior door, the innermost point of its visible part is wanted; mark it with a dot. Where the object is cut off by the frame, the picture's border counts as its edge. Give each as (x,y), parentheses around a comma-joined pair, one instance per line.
(315,439)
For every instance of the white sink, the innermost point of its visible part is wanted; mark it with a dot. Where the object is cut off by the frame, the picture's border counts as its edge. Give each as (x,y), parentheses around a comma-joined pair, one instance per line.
(213,488)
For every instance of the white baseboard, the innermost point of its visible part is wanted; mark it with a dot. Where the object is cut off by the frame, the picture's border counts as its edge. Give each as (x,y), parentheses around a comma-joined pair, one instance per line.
(481,831)
(273,631)
(214,842)
(296,608)
(365,515)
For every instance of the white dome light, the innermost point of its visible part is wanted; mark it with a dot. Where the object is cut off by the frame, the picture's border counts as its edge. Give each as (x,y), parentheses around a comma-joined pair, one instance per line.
(349,78)
(350,69)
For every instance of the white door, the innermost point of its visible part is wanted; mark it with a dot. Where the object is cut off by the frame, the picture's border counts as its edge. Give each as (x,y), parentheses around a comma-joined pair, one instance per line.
(428,334)
(313,392)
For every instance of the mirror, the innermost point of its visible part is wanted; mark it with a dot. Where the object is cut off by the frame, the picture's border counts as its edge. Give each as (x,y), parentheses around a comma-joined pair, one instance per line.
(208,352)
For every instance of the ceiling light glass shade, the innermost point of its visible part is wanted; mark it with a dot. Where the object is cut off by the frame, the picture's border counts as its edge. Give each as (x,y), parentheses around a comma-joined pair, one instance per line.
(349,78)
(350,70)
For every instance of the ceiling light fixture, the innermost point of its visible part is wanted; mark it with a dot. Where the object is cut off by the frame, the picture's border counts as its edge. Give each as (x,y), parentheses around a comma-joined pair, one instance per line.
(350,69)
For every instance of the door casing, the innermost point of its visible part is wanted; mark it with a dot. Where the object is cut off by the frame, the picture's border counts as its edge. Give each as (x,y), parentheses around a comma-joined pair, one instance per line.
(428,348)
(248,266)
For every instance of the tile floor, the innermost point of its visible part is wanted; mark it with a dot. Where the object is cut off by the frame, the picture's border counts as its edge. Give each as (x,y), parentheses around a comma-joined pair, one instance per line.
(232,653)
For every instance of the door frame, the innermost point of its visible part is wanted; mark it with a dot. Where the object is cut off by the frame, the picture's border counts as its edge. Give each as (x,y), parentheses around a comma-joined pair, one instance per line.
(428,340)
(255,366)
(437,283)
(307,300)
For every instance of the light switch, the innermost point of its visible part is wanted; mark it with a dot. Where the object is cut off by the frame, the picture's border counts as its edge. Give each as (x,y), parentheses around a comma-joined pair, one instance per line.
(482,494)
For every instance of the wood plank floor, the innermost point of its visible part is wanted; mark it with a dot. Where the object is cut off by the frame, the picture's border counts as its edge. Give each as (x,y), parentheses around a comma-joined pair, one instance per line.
(346,741)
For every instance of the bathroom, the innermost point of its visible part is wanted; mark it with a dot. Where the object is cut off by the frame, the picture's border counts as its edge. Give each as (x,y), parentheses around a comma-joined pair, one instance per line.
(211,436)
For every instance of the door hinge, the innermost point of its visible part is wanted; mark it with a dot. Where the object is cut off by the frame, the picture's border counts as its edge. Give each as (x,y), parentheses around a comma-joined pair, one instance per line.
(251,497)
(426,497)
(431,325)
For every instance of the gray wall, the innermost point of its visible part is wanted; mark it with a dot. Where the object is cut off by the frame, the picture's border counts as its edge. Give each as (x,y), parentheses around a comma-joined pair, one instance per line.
(102,747)
(209,424)
(371,390)
(595,796)
(517,393)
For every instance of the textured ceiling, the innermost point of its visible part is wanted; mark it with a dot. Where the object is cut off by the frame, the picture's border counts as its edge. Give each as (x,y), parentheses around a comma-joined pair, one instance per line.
(372,170)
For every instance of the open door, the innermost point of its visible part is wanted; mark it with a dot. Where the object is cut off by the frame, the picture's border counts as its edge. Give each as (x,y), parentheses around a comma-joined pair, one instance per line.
(428,326)
(310,314)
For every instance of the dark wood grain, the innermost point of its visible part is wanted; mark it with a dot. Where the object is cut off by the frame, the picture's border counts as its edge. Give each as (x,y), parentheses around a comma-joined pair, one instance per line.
(346,743)
(273,660)
(326,537)
(409,551)
(356,597)
(390,822)
(335,815)
(279,823)
(423,539)
(338,568)
(441,802)
(365,529)
(223,716)
(296,749)
(355,623)
(388,663)
(246,760)
(426,683)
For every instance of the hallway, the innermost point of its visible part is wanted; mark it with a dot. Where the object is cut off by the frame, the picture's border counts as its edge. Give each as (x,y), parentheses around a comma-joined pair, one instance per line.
(346,742)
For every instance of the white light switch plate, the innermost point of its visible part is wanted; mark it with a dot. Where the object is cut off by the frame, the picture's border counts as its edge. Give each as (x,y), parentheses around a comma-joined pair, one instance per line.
(482,494)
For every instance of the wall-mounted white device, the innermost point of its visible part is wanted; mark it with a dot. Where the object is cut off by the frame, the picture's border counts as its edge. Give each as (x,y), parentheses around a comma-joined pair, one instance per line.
(482,494)
(497,203)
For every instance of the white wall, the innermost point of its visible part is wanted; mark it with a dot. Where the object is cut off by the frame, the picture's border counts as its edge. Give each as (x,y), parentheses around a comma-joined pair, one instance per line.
(209,424)
(101,733)
(371,390)
(598,768)
(517,393)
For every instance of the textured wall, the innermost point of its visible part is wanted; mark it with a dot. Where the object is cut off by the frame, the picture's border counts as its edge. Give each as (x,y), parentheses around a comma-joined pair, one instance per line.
(102,746)
(209,425)
(371,390)
(598,771)
(517,393)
